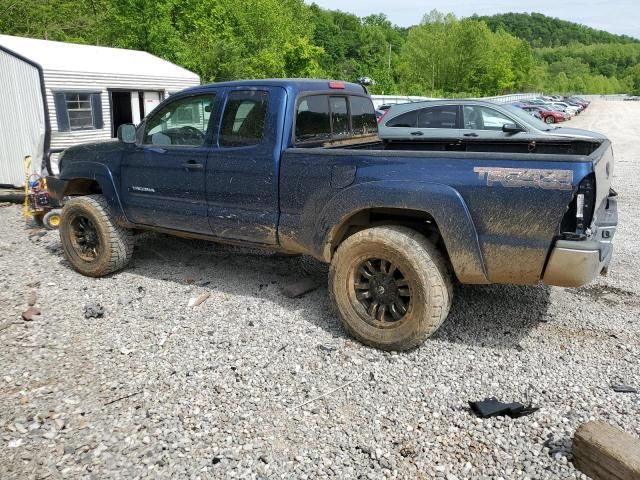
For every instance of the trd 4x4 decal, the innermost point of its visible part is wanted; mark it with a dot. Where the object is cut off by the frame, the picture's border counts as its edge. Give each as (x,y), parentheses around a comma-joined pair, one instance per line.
(527,177)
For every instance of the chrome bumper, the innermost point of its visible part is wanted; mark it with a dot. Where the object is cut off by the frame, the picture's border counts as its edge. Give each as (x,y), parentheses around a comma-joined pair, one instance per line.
(574,263)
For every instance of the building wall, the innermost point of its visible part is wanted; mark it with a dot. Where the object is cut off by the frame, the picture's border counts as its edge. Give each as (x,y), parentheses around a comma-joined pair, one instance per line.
(69,81)
(22,124)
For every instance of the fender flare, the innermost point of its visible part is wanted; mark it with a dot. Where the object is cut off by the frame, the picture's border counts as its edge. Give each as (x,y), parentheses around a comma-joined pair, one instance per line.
(101,174)
(442,202)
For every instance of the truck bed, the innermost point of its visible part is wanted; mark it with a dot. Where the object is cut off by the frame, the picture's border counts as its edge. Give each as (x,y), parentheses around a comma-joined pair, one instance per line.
(496,201)
(544,147)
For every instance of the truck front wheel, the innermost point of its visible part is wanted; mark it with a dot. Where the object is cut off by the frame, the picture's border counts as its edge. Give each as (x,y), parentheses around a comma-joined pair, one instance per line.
(92,242)
(391,287)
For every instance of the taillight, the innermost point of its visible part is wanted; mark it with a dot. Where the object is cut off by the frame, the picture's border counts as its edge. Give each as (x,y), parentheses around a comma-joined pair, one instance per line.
(585,203)
(334,84)
(577,220)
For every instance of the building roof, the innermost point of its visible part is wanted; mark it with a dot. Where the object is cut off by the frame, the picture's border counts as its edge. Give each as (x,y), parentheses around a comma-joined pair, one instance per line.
(73,57)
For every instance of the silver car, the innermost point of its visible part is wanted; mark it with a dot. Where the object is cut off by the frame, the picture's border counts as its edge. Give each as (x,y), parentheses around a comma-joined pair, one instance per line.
(466,119)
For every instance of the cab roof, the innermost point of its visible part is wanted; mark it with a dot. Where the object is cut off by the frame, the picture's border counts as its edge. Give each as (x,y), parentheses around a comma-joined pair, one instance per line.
(295,85)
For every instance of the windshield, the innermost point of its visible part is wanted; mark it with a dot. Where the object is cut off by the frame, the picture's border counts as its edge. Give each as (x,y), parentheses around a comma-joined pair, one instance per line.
(527,118)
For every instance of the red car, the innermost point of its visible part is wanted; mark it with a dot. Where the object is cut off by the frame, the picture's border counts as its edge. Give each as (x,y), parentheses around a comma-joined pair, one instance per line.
(548,116)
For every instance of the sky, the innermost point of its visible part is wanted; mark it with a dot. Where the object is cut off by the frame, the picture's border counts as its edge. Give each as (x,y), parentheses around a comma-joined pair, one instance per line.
(615,16)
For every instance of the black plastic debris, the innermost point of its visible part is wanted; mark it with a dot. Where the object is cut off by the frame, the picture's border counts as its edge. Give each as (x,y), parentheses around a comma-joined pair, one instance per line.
(622,388)
(491,407)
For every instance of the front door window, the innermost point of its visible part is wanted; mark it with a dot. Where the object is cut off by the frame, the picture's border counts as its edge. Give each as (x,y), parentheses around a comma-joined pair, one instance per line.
(181,122)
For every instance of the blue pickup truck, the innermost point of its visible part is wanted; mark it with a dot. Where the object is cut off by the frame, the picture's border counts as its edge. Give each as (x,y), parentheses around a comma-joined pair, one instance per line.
(297,166)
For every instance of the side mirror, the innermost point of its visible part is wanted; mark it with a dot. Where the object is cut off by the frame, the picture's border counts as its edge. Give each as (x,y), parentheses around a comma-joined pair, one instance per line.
(511,128)
(127,133)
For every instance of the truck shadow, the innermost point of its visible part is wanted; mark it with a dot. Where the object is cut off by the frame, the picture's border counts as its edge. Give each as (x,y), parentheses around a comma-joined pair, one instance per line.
(498,316)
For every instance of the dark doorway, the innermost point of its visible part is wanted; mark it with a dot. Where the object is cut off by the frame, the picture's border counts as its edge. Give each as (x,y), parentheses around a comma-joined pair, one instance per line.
(120,110)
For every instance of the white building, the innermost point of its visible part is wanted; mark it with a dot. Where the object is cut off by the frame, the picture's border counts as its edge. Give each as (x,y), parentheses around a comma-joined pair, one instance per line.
(54,95)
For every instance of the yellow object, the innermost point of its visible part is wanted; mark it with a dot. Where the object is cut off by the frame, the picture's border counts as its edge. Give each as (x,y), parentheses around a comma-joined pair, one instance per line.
(54,220)
(27,173)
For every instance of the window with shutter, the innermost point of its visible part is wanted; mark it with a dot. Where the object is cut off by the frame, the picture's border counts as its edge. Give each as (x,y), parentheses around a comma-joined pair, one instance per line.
(78,111)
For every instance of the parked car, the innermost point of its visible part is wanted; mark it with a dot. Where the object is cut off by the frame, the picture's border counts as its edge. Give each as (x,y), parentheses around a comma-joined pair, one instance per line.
(460,119)
(556,108)
(570,109)
(534,101)
(296,166)
(579,100)
(532,110)
(579,105)
(546,115)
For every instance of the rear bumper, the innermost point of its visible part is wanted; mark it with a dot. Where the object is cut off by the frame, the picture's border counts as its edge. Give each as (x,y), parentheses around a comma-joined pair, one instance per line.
(574,263)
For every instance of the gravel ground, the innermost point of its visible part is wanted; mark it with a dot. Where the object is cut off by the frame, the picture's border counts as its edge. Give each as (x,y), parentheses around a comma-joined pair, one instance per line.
(158,388)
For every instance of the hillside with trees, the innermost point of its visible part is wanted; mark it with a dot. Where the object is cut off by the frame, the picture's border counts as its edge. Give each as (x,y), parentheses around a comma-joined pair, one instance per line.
(543,31)
(441,56)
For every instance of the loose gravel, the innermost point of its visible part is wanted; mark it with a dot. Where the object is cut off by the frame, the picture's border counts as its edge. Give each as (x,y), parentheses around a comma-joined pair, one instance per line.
(252,384)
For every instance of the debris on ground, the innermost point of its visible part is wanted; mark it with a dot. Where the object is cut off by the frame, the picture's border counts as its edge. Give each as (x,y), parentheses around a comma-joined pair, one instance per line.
(93,310)
(300,287)
(195,301)
(622,388)
(491,407)
(31,298)
(29,313)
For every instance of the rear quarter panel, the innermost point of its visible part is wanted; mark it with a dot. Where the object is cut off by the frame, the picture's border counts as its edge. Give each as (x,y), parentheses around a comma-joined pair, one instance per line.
(498,213)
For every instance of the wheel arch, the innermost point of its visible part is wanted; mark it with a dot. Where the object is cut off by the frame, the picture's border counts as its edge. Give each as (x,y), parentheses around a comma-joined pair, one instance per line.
(436,210)
(88,178)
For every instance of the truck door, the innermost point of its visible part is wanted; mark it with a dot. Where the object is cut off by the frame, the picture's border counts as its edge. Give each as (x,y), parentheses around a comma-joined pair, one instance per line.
(242,169)
(163,176)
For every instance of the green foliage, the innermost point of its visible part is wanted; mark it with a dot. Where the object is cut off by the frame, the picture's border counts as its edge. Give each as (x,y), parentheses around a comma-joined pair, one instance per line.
(442,56)
(542,31)
(462,56)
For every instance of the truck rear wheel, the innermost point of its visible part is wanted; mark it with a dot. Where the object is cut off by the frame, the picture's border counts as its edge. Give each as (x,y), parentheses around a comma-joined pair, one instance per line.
(391,287)
(92,242)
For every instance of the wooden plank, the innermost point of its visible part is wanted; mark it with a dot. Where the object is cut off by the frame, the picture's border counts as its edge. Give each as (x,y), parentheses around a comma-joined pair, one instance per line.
(604,452)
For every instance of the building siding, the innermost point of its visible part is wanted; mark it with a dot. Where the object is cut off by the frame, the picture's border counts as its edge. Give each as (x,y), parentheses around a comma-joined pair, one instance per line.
(69,81)
(22,124)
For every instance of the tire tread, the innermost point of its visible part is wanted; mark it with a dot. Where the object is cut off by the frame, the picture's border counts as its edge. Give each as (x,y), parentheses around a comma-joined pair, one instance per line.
(120,239)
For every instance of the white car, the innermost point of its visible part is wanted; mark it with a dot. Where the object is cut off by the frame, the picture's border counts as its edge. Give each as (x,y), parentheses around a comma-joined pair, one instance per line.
(570,109)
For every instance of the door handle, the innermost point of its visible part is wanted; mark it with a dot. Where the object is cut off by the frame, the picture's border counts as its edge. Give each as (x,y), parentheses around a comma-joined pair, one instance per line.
(472,134)
(418,133)
(192,165)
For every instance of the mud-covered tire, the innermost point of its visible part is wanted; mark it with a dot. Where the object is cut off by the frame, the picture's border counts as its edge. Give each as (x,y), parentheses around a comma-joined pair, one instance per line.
(423,270)
(115,242)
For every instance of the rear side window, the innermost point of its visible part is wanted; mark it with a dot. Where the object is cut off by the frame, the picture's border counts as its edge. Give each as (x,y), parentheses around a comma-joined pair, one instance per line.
(406,120)
(339,116)
(363,117)
(244,118)
(313,121)
(322,117)
(445,116)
